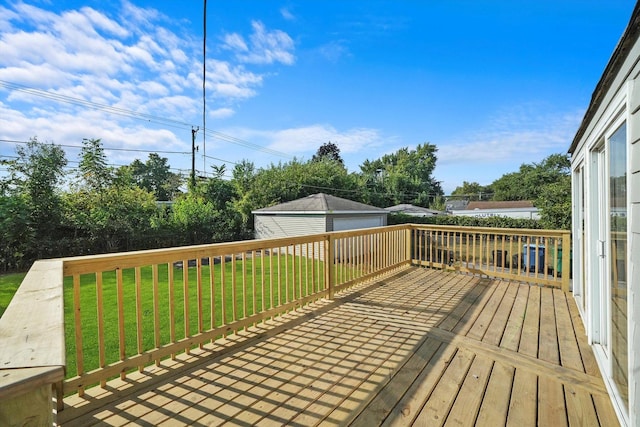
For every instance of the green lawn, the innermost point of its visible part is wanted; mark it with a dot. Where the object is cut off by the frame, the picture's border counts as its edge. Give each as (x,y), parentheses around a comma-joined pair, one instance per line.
(9,284)
(239,301)
(245,293)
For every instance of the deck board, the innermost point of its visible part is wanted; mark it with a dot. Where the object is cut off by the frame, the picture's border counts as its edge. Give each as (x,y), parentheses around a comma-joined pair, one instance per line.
(421,347)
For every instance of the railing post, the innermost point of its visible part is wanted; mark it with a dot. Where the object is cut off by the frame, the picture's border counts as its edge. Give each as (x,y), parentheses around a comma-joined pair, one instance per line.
(408,248)
(33,407)
(566,261)
(329,259)
(32,353)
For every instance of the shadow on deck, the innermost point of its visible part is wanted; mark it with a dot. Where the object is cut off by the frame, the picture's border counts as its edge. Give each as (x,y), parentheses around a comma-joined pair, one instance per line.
(421,347)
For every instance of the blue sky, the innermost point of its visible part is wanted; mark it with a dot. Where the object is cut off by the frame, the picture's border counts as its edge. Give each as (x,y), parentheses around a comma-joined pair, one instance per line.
(493,84)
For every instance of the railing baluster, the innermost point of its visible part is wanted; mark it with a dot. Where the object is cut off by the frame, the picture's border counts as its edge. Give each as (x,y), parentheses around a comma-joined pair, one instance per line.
(234,290)
(172,305)
(294,272)
(121,330)
(138,282)
(306,269)
(271,296)
(263,280)
(300,294)
(279,281)
(100,312)
(223,289)
(156,309)
(254,279)
(212,295)
(244,285)
(199,296)
(286,275)
(314,282)
(185,300)
(78,329)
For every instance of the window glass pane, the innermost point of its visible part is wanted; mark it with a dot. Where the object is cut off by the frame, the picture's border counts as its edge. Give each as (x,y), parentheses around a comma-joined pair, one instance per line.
(618,239)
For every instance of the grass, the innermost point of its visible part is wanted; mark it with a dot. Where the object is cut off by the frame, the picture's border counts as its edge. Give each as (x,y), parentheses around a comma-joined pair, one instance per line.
(240,299)
(9,284)
(238,302)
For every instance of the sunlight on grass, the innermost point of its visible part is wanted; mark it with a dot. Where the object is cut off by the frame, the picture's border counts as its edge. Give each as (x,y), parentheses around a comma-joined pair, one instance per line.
(250,295)
(9,284)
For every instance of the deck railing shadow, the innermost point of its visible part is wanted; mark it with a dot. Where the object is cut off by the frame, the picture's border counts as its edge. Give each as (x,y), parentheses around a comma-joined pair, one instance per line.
(140,311)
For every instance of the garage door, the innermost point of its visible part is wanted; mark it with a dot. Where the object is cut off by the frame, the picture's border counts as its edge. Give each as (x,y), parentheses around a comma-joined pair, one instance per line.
(340,224)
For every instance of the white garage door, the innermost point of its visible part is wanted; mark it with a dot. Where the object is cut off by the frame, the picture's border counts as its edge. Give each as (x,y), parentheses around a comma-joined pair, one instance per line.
(340,224)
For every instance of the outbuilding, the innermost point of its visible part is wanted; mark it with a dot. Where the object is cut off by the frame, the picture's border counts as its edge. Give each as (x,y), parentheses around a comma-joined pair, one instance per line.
(512,209)
(314,214)
(412,210)
(605,163)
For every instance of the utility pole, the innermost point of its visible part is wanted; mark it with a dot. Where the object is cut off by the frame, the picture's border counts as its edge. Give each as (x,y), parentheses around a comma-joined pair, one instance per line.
(193,156)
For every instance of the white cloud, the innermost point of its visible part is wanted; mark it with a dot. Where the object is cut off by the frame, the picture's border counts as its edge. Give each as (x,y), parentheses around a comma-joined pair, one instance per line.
(264,47)
(517,133)
(133,59)
(334,50)
(287,14)
(221,113)
(235,42)
(531,132)
(306,140)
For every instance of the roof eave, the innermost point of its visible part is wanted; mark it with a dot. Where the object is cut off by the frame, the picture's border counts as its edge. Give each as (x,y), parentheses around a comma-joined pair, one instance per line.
(629,37)
(327,212)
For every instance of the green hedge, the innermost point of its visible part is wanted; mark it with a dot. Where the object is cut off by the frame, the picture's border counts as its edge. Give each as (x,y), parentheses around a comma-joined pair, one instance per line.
(465,221)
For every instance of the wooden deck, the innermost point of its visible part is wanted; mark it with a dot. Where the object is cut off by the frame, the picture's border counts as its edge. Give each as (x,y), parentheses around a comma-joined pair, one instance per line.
(420,347)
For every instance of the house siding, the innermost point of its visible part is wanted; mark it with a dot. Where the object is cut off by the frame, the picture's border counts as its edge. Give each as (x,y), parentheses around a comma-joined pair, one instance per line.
(620,102)
(357,221)
(526,213)
(634,249)
(274,226)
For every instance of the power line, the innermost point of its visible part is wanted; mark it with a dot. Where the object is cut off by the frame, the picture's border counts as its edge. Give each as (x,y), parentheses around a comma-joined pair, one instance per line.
(93,105)
(135,150)
(247,144)
(137,115)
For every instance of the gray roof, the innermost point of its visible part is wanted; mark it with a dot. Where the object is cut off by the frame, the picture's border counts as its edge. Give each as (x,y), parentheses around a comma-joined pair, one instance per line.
(321,203)
(408,208)
(512,204)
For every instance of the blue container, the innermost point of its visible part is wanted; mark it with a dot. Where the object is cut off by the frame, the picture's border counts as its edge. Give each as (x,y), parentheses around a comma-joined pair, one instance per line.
(529,258)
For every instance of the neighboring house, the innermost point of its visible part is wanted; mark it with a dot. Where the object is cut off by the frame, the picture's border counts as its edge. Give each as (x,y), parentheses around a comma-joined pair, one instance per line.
(511,209)
(313,214)
(606,223)
(455,204)
(408,209)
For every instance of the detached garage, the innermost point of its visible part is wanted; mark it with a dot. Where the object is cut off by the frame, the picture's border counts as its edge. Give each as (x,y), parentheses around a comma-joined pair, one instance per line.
(314,214)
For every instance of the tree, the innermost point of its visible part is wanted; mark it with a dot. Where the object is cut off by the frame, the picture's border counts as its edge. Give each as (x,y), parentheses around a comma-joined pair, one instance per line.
(473,191)
(111,218)
(405,176)
(93,172)
(155,176)
(35,175)
(16,233)
(554,203)
(328,151)
(529,182)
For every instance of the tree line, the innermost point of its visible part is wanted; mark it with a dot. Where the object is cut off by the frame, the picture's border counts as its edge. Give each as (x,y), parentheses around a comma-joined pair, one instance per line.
(47,211)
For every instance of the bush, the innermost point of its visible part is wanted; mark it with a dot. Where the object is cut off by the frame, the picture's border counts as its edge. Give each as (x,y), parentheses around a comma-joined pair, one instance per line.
(466,221)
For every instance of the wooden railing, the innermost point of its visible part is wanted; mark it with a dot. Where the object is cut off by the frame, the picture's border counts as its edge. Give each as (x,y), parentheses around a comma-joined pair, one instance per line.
(534,256)
(127,311)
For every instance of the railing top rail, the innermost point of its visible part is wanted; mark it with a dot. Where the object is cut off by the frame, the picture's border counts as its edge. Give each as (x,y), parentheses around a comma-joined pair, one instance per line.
(32,331)
(36,312)
(107,262)
(493,230)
